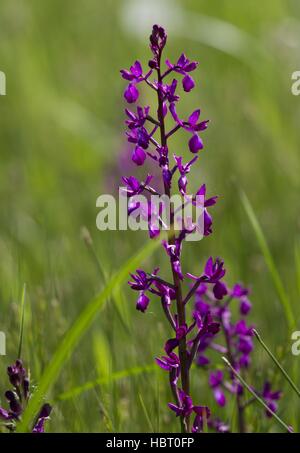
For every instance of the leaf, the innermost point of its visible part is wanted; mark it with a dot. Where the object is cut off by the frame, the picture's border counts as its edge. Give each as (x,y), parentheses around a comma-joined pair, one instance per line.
(297,260)
(102,356)
(285,302)
(147,416)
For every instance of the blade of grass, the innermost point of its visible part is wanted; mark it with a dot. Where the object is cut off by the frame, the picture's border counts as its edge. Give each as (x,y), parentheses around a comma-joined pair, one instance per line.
(285,302)
(118,375)
(297,260)
(102,356)
(22,311)
(260,400)
(88,240)
(146,413)
(285,374)
(75,333)
(158,405)
(117,296)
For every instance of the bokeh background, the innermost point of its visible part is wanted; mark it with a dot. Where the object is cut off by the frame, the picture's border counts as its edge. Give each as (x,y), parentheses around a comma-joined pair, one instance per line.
(62,145)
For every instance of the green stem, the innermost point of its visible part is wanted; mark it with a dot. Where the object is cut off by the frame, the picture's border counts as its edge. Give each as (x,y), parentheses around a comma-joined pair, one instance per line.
(290,381)
(260,400)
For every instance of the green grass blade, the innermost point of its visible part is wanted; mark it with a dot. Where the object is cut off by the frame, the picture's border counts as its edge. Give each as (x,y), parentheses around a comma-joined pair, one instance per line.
(118,375)
(22,311)
(277,363)
(158,404)
(286,305)
(102,356)
(75,333)
(147,416)
(297,260)
(117,296)
(260,400)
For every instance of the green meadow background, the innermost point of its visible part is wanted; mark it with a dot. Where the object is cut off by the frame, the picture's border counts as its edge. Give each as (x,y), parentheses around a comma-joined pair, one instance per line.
(61,137)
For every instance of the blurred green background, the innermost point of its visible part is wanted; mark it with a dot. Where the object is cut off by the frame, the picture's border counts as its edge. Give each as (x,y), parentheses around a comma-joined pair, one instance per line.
(61,135)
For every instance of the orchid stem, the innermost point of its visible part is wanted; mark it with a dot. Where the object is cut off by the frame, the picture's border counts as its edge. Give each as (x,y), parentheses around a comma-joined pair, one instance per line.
(177,284)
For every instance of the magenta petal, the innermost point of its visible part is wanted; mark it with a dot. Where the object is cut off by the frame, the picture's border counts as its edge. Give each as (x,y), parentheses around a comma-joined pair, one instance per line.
(211,201)
(195,143)
(181,60)
(245,306)
(153,229)
(131,93)
(201,410)
(202,190)
(201,126)
(208,270)
(188,83)
(192,276)
(202,360)
(142,302)
(191,66)
(193,118)
(126,75)
(136,69)
(219,290)
(162,364)
(170,345)
(176,118)
(138,156)
(169,64)
(215,379)
(175,408)
(220,397)
(4,415)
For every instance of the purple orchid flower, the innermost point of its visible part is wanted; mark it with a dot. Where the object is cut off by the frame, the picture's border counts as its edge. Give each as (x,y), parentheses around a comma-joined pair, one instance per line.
(184,66)
(212,311)
(136,120)
(134,76)
(135,73)
(171,360)
(213,273)
(241,293)
(183,170)
(193,126)
(139,136)
(141,281)
(169,93)
(134,187)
